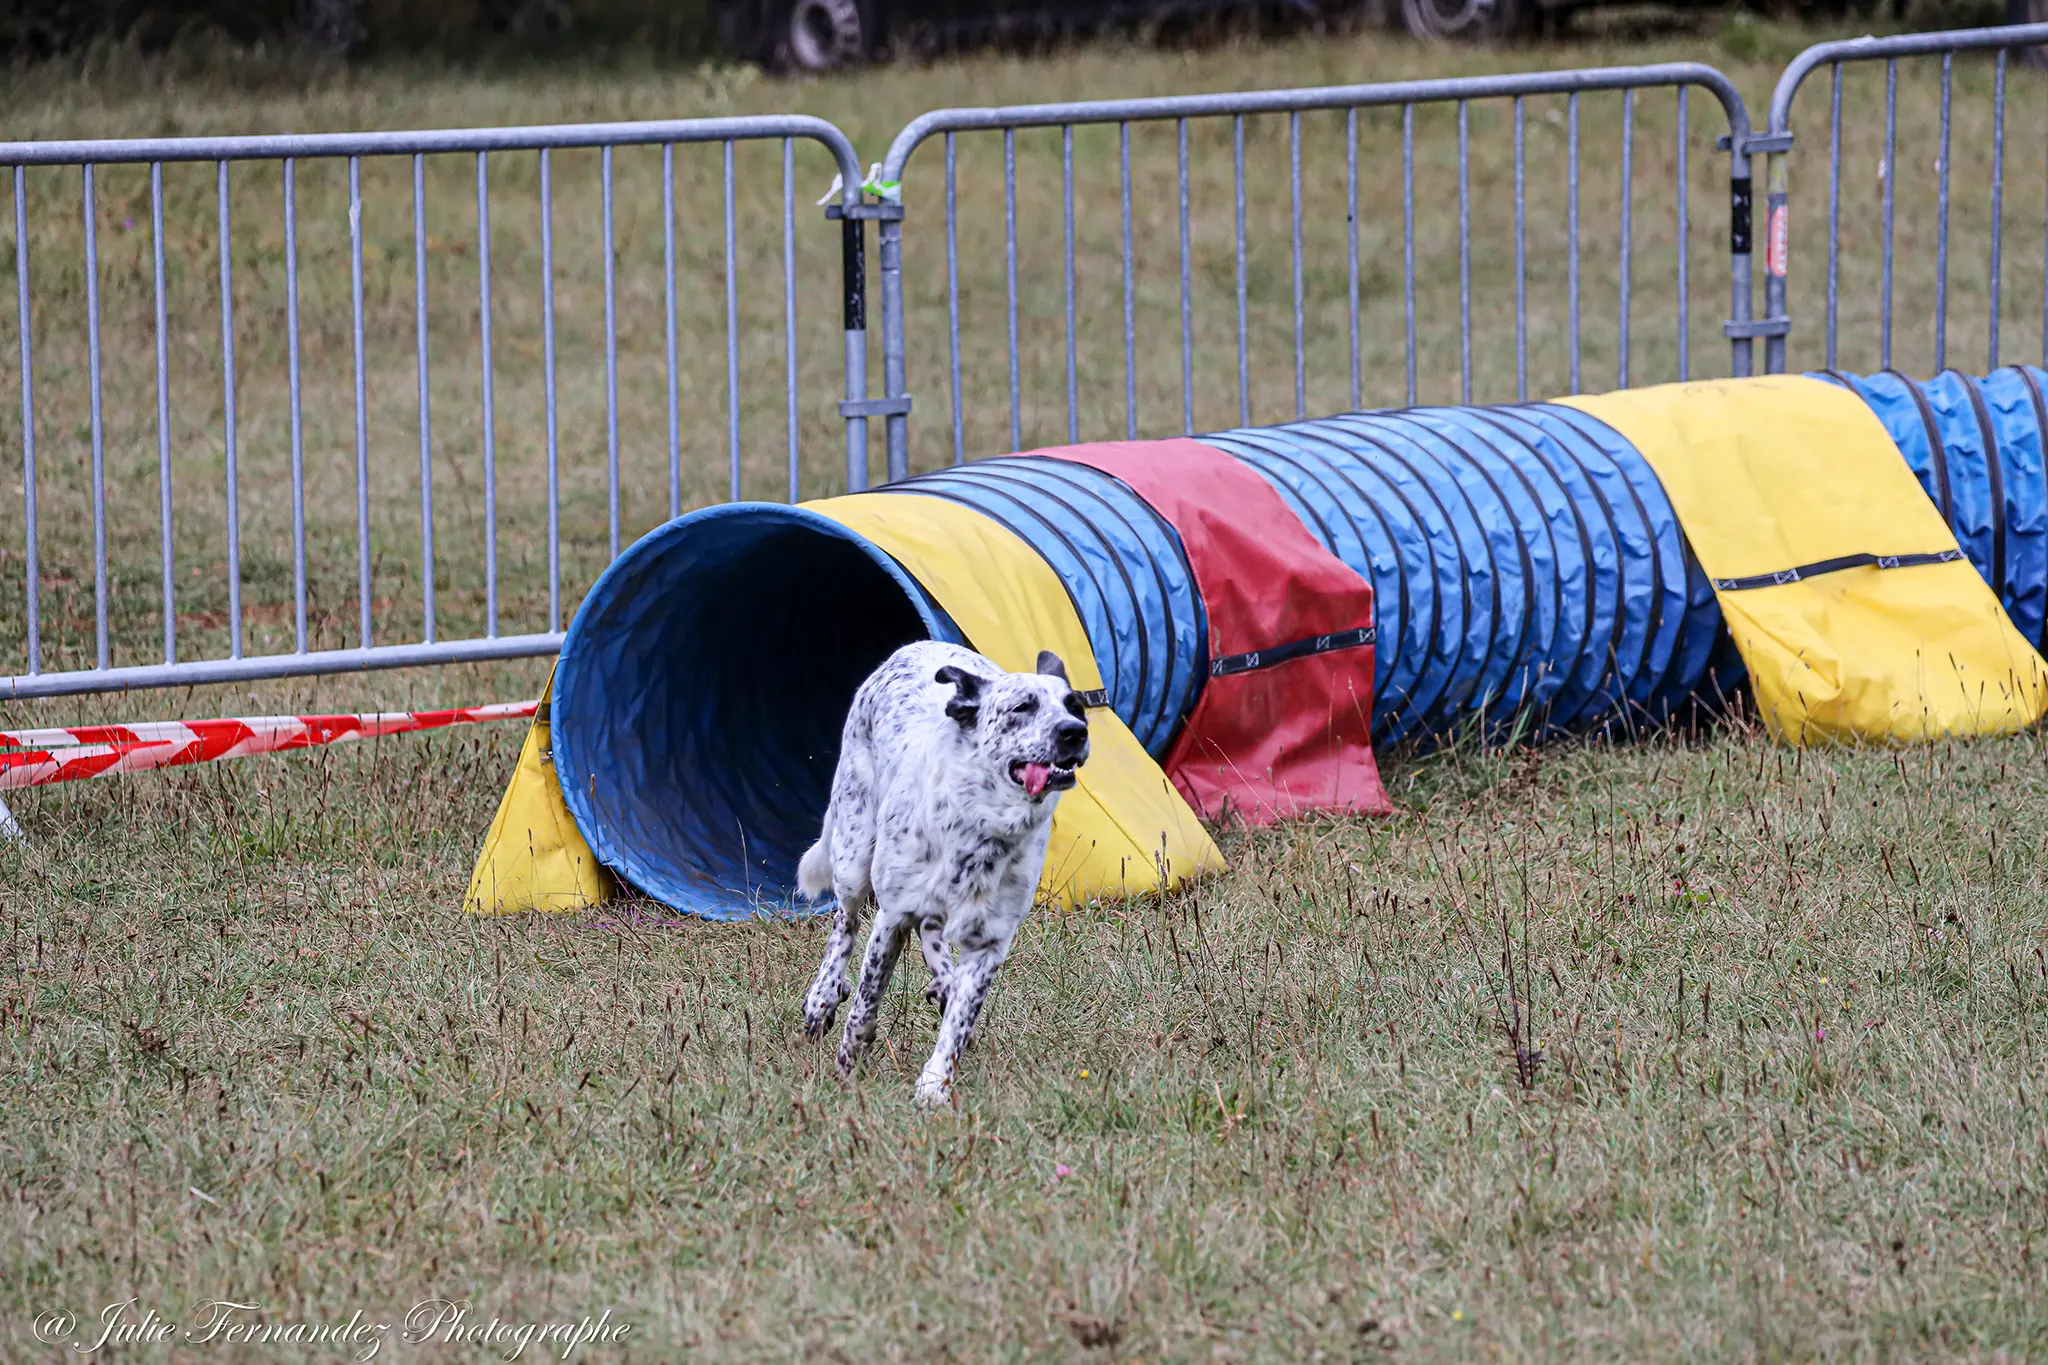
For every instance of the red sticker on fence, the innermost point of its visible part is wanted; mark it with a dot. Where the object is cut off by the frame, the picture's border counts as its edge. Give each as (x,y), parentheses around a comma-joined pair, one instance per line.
(1776,243)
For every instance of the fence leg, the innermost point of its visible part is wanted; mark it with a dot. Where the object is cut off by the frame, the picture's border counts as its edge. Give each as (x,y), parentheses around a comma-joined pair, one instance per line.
(1777,247)
(854,276)
(894,382)
(1741,345)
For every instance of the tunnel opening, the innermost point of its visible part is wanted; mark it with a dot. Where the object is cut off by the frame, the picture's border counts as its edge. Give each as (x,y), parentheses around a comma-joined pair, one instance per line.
(702,688)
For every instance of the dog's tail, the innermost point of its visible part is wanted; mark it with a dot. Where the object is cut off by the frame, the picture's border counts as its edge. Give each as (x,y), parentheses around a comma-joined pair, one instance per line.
(814,873)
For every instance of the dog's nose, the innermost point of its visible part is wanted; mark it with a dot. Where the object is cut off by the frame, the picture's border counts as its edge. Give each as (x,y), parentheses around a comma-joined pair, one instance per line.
(1069,738)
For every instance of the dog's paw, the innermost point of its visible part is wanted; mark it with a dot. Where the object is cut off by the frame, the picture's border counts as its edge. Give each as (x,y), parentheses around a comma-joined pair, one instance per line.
(821,1006)
(938,994)
(845,1058)
(931,1094)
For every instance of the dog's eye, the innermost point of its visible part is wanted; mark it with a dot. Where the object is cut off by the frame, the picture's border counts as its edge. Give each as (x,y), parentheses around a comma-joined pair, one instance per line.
(1026,706)
(1074,707)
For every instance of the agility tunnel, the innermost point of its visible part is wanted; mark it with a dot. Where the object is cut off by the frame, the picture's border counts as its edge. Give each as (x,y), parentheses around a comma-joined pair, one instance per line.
(1250,611)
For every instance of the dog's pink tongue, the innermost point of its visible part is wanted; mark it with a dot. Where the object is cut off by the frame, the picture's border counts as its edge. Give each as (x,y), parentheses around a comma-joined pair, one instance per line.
(1036,775)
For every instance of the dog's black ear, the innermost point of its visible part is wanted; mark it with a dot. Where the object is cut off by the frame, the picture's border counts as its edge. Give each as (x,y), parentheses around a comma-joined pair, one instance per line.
(964,705)
(1049,664)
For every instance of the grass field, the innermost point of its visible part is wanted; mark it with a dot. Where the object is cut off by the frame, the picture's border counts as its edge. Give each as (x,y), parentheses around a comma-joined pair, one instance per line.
(1789,1105)
(1789,1100)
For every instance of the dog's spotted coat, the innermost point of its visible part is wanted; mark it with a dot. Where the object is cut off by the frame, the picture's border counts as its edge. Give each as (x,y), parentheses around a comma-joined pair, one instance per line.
(949,770)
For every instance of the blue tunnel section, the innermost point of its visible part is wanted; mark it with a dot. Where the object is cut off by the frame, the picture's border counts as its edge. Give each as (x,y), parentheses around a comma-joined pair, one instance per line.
(1124,569)
(1976,446)
(1528,572)
(1530,579)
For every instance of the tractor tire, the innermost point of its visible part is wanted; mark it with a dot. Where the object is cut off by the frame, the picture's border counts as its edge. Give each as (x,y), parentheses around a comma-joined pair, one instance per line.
(1439,21)
(817,36)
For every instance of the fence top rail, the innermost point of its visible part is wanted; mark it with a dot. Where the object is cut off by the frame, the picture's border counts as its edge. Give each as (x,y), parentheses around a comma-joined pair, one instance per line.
(271,146)
(1154,108)
(1902,45)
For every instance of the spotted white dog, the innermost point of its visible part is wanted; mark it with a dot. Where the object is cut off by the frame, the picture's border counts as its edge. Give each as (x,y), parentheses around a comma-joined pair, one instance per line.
(949,770)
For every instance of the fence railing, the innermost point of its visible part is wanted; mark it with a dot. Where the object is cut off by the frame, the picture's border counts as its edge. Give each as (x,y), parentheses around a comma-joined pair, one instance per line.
(1365,318)
(1873,149)
(275,485)
(384,399)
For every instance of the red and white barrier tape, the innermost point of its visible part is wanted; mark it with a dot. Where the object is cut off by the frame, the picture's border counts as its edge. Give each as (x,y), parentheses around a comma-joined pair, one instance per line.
(34,758)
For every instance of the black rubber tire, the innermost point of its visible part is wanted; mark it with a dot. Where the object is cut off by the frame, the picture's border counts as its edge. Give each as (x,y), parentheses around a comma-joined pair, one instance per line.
(820,35)
(1468,20)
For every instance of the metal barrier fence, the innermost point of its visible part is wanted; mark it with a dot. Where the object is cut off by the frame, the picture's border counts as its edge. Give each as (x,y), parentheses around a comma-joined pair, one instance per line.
(1891,170)
(267,474)
(1421,351)
(290,470)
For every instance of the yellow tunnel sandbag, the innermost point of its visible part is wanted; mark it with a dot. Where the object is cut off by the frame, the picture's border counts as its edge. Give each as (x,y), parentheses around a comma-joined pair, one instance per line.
(1773,473)
(1123,820)
(534,857)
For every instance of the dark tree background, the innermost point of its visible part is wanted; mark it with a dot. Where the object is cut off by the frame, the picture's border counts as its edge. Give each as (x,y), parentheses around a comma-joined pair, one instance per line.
(31,29)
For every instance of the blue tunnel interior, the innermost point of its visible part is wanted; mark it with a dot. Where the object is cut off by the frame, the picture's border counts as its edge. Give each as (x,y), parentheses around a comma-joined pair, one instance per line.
(701,690)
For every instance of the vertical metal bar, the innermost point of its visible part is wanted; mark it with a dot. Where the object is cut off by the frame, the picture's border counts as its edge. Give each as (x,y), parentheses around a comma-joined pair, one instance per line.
(732,334)
(1684,263)
(102,650)
(1948,60)
(489,406)
(1997,206)
(355,280)
(790,396)
(1351,235)
(953,299)
(1521,263)
(163,411)
(1074,379)
(1244,374)
(1010,279)
(1741,263)
(1408,236)
(227,370)
(853,272)
(611,349)
(419,299)
(291,315)
(1834,210)
(1628,151)
(668,300)
(547,351)
(1464,254)
(1123,131)
(1073,372)
(1891,181)
(1187,302)
(1294,205)
(30,560)
(1571,232)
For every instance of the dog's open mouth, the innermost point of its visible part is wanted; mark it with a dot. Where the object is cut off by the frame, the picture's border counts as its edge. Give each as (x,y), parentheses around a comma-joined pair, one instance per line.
(1039,778)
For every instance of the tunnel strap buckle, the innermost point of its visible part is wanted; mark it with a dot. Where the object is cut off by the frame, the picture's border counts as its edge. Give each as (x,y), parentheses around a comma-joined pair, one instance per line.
(1355,638)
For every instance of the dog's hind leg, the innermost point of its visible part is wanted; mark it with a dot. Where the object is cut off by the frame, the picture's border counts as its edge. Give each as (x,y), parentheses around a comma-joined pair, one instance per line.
(938,955)
(829,987)
(885,943)
(972,977)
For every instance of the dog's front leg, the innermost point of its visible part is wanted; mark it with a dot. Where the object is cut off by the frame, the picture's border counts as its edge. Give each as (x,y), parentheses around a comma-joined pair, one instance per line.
(968,990)
(885,942)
